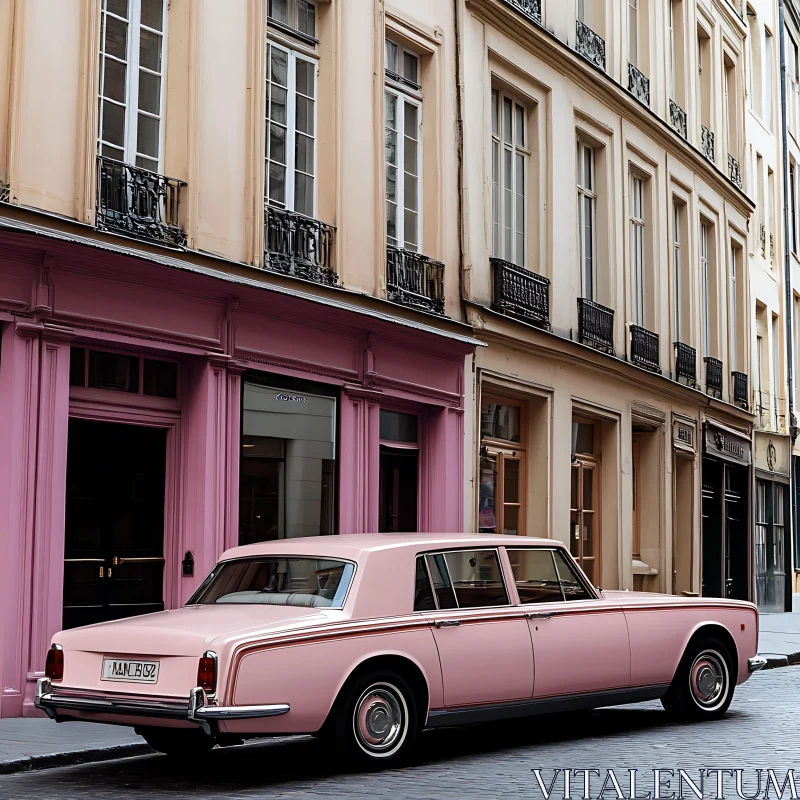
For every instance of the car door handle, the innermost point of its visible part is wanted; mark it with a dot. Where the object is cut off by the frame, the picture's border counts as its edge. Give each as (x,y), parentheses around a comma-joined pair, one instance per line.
(540,615)
(447,623)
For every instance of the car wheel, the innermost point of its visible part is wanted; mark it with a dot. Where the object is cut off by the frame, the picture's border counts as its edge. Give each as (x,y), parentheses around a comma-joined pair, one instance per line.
(703,684)
(375,720)
(177,743)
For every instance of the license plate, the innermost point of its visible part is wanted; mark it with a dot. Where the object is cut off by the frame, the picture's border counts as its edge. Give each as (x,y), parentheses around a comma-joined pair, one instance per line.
(116,669)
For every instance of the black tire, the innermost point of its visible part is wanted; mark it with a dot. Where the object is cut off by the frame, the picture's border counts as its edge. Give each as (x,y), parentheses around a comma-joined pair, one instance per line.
(177,742)
(704,682)
(375,721)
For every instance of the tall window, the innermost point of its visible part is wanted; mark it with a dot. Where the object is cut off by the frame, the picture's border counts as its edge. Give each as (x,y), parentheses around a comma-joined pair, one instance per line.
(677,257)
(509,178)
(131,97)
(771,211)
(403,119)
(677,57)
(704,76)
(587,209)
(299,16)
(729,91)
(637,248)
(776,361)
(633,32)
(584,523)
(291,130)
(734,297)
(768,83)
(754,38)
(704,276)
(793,207)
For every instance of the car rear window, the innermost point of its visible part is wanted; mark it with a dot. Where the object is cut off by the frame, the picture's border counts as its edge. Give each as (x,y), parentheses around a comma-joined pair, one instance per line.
(304,582)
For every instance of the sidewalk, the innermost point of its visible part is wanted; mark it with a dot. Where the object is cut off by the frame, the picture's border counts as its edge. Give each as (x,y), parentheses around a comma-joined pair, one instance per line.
(28,744)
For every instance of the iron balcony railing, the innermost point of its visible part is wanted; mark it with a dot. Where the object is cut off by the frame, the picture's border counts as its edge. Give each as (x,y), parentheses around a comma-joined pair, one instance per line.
(762,240)
(677,120)
(713,377)
(644,348)
(734,171)
(529,8)
(707,142)
(740,396)
(414,280)
(686,364)
(591,46)
(520,292)
(299,246)
(5,191)
(639,84)
(137,202)
(596,325)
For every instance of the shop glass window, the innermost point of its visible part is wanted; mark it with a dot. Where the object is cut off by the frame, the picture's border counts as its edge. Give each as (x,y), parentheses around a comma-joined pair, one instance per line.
(397,427)
(423,594)
(535,576)
(122,373)
(287,483)
(113,371)
(160,378)
(77,366)
(131,91)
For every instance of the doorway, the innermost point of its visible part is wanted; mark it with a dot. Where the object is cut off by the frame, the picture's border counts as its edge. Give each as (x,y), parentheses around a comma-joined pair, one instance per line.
(114,524)
(397,511)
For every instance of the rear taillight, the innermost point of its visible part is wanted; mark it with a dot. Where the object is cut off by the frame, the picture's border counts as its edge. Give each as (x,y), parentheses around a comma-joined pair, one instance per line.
(54,666)
(207,673)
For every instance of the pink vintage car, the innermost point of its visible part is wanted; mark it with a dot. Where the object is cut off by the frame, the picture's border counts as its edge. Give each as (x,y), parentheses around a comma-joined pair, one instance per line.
(369,639)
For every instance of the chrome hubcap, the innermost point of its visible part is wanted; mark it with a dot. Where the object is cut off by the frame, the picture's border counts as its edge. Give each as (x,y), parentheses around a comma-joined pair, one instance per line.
(379,719)
(708,679)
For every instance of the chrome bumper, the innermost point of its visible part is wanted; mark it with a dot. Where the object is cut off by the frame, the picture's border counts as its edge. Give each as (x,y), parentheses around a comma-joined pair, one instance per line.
(756,663)
(58,705)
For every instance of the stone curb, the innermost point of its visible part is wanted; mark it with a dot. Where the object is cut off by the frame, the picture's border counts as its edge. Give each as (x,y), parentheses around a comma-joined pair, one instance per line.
(73,758)
(773,662)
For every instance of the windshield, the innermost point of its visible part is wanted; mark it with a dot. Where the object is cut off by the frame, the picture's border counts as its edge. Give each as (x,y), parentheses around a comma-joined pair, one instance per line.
(308,582)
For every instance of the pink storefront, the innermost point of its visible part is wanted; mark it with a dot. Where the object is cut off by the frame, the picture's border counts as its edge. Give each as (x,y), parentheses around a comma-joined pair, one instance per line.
(154,412)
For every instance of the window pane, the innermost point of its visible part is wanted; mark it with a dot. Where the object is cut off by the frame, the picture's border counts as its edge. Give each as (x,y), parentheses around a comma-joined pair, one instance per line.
(398,427)
(113,124)
(77,364)
(535,576)
(391,56)
(588,176)
(279,11)
(496,198)
(511,520)
(160,378)
(277,111)
(588,489)
(277,184)
(570,583)
(410,67)
(304,194)
(511,480)
(113,371)
(477,578)
(279,69)
(587,534)
(152,13)
(391,147)
(507,126)
(411,230)
(277,143)
(306,22)
(150,51)
(411,197)
(573,495)
(391,111)
(583,437)
(500,422)
(114,80)
(112,152)
(487,520)
(441,581)
(391,184)
(147,136)
(305,115)
(411,125)
(118,7)
(423,595)
(391,223)
(495,112)
(149,92)
(574,533)
(304,154)
(520,211)
(519,131)
(116,42)
(508,200)
(304,77)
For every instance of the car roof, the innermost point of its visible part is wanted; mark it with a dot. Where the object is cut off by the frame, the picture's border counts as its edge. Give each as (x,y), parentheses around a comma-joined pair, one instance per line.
(355,545)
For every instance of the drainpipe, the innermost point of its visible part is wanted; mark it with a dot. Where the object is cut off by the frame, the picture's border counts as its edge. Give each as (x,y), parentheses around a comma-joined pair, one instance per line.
(460,156)
(787,267)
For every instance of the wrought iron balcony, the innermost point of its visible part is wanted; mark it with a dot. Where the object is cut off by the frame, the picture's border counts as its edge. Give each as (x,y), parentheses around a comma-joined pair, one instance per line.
(639,84)
(762,240)
(707,143)
(299,246)
(734,172)
(644,348)
(528,8)
(520,292)
(5,191)
(591,46)
(138,202)
(686,364)
(713,377)
(740,397)
(772,247)
(677,120)
(596,325)
(414,280)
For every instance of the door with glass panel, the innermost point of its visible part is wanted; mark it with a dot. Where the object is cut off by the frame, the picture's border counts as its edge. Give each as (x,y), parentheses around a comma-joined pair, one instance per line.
(584,521)
(770,546)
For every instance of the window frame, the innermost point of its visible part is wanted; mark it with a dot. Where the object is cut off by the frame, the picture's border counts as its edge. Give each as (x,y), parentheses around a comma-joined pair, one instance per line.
(678,209)
(520,153)
(290,142)
(705,285)
(130,152)
(636,245)
(587,194)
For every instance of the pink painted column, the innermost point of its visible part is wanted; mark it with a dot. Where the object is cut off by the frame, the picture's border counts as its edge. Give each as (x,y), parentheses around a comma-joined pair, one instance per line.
(443,472)
(233,451)
(359,460)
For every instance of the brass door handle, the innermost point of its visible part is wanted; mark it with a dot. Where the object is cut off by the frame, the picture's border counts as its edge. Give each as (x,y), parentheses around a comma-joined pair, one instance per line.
(102,571)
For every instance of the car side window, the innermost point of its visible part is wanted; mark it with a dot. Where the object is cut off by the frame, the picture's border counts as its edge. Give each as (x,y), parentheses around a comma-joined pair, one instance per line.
(477,578)
(440,577)
(535,576)
(423,594)
(571,584)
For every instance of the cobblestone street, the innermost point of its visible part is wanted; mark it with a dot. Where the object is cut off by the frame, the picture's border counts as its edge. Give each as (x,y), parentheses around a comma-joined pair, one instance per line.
(760,731)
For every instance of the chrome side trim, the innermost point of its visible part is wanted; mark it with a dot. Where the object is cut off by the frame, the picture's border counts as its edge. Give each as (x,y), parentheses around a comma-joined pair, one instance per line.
(465,715)
(756,663)
(59,704)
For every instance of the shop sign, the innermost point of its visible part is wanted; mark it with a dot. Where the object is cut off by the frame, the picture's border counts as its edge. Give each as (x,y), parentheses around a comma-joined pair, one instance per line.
(290,398)
(683,436)
(772,453)
(727,445)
